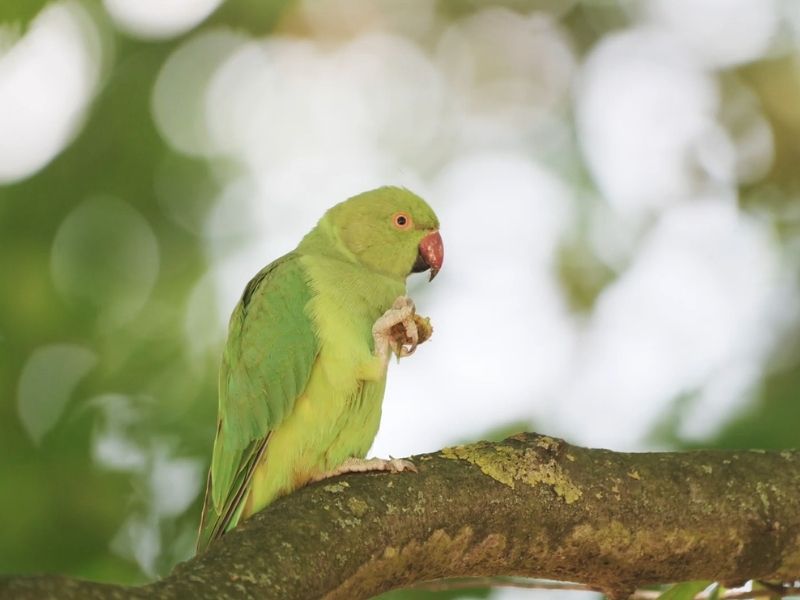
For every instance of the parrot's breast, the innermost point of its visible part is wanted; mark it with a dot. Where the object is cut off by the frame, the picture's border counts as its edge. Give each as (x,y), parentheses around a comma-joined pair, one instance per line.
(337,415)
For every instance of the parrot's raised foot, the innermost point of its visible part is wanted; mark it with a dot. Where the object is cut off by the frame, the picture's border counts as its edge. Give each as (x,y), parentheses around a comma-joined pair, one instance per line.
(424,331)
(403,314)
(364,465)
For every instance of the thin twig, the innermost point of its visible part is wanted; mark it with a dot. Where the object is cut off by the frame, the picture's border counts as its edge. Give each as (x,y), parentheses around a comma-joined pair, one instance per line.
(463,583)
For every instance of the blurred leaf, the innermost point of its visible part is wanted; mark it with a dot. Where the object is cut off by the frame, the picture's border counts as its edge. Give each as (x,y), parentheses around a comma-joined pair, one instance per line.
(590,21)
(665,433)
(498,434)
(771,422)
(46,384)
(582,275)
(20,11)
(774,82)
(684,591)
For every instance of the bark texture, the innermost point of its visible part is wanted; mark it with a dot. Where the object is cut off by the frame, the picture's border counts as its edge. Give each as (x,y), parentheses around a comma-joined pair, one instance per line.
(531,505)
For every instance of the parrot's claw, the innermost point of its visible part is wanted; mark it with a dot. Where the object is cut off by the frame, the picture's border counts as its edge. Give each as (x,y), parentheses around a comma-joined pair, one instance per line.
(365,465)
(402,302)
(398,465)
(396,330)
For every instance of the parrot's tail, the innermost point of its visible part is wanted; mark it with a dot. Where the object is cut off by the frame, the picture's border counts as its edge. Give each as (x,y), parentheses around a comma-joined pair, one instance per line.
(213,523)
(208,519)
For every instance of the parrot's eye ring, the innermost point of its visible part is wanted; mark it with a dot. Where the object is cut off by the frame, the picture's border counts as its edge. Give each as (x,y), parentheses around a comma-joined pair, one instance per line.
(402,220)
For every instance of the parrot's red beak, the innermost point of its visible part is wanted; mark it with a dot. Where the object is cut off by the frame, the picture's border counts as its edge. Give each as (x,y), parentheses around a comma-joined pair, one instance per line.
(431,254)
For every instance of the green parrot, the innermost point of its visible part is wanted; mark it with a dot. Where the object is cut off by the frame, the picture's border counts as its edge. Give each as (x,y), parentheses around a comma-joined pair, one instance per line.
(304,367)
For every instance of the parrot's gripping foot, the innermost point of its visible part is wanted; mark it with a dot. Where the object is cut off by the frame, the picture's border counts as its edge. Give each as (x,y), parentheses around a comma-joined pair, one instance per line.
(364,465)
(401,314)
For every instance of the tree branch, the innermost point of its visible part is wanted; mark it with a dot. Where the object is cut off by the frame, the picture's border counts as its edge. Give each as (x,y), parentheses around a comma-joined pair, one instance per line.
(530,506)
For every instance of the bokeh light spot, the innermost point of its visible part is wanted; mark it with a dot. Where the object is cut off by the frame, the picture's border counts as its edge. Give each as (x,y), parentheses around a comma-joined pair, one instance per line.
(158,19)
(721,33)
(105,256)
(46,384)
(179,95)
(113,445)
(174,482)
(659,141)
(46,82)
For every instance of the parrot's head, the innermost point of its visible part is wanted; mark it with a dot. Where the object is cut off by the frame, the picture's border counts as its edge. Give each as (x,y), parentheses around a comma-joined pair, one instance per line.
(389,230)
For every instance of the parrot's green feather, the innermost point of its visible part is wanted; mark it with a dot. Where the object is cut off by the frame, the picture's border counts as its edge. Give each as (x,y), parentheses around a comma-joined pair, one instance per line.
(215,521)
(266,365)
(272,346)
(300,387)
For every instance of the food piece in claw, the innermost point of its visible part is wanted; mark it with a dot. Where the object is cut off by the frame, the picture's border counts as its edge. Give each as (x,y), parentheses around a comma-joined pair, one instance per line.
(401,339)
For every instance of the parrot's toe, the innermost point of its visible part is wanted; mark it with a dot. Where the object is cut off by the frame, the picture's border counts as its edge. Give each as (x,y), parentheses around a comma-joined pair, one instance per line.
(404,302)
(398,465)
(365,465)
(396,329)
(400,329)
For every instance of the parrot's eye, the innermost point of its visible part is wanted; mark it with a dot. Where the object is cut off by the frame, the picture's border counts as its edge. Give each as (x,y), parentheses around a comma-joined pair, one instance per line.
(402,220)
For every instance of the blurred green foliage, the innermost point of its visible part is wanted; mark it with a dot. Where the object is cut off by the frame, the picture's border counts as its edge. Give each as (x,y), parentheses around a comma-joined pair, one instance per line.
(684,591)
(20,11)
(58,510)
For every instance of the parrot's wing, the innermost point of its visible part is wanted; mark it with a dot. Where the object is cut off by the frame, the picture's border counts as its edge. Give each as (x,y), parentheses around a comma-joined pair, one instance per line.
(271,349)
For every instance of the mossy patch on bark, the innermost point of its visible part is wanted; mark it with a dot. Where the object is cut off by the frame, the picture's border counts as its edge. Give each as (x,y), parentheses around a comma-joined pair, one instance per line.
(511,465)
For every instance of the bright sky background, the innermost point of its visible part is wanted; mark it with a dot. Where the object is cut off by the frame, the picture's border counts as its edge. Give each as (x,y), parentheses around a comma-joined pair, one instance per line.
(475,117)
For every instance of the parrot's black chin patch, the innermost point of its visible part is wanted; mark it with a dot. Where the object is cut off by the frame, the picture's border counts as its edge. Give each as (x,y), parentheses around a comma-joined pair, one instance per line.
(420,265)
